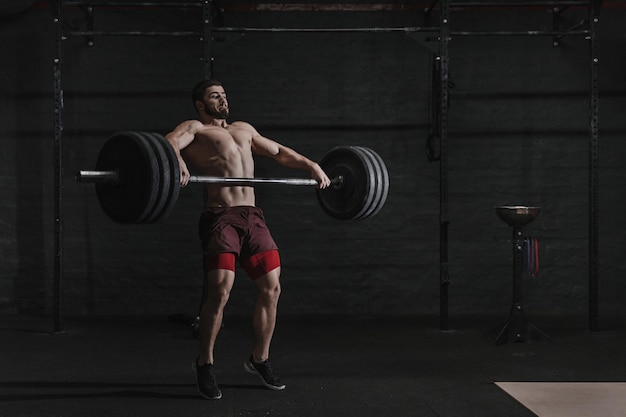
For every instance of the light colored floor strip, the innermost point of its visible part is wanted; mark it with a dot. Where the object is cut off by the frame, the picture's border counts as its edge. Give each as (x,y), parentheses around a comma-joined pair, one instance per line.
(570,399)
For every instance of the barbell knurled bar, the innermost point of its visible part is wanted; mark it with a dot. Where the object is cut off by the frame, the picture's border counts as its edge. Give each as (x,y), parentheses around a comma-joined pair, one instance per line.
(137,179)
(252,181)
(114,176)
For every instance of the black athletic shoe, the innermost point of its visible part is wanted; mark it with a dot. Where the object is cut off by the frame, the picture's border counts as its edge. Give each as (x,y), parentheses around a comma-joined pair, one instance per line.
(205,381)
(264,371)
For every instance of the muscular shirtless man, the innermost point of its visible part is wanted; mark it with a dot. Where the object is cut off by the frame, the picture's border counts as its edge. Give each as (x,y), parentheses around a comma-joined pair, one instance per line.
(231,227)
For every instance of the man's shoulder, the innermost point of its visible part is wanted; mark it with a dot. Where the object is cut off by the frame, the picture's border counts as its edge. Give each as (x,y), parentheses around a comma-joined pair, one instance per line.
(191,125)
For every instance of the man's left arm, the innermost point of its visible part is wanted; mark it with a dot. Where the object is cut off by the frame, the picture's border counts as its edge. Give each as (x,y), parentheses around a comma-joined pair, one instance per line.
(288,157)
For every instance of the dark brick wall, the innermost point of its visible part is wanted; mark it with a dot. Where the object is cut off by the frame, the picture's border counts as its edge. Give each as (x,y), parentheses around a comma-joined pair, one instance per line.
(518,135)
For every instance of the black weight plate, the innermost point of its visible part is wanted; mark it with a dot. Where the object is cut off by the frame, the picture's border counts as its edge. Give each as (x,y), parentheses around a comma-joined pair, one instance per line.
(375,182)
(174,169)
(382,182)
(130,199)
(350,199)
(155,183)
(371,182)
(164,176)
(385,182)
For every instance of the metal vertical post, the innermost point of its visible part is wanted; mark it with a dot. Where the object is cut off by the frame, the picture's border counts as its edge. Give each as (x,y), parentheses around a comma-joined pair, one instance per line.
(516,327)
(518,255)
(444,277)
(207,39)
(58,171)
(594,275)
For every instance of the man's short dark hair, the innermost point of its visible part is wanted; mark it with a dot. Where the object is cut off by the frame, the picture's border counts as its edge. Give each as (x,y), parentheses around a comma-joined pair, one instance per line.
(198,91)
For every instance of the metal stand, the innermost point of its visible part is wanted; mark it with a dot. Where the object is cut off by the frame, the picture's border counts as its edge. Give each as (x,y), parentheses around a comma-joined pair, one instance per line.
(517,328)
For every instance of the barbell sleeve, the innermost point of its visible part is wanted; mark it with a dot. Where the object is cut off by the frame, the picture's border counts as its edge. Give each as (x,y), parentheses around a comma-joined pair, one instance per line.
(113,176)
(97,176)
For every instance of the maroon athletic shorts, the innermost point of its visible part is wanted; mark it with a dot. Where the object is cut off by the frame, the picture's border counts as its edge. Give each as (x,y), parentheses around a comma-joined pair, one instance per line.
(240,230)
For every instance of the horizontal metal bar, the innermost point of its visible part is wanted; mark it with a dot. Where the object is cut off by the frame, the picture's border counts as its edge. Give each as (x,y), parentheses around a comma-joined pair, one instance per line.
(97,176)
(113,176)
(361,29)
(565,3)
(251,30)
(130,4)
(345,30)
(252,181)
(353,6)
(520,33)
(320,30)
(127,33)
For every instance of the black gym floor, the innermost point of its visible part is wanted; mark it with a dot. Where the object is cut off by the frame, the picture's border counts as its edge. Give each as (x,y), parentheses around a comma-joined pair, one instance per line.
(333,366)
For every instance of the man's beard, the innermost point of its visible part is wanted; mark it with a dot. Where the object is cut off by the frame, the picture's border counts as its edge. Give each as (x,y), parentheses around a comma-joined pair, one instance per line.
(223,114)
(218,114)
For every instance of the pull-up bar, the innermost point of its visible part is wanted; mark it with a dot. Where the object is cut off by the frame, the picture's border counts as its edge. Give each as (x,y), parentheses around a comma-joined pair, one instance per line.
(253,30)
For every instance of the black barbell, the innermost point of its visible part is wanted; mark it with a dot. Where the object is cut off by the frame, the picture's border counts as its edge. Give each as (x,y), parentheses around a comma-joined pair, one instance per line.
(137,179)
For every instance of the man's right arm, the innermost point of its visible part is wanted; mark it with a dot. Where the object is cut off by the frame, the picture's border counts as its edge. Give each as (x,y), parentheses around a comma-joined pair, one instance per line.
(180,138)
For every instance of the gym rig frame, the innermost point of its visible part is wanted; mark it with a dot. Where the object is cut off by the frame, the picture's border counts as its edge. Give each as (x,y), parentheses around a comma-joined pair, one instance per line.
(438,11)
